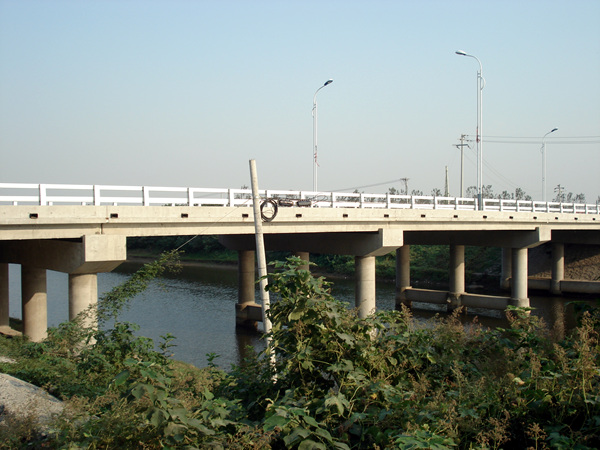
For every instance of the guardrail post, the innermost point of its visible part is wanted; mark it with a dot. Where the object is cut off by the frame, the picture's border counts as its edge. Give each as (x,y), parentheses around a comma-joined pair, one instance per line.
(146,196)
(388,200)
(332,199)
(97,200)
(362,199)
(42,194)
(435,202)
(412,202)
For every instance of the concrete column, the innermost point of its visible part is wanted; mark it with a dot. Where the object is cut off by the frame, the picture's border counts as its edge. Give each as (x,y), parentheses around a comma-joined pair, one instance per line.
(402,275)
(304,256)
(558,267)
(246,276)
(365,285)
(519,277)
(506,269)
(457,276)
(4,303)
(247,311)
(83,293)
(34,307)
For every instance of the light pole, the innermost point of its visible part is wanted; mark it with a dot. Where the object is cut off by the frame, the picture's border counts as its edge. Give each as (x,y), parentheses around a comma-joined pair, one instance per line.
(314,113)
(543,150)
(479,131)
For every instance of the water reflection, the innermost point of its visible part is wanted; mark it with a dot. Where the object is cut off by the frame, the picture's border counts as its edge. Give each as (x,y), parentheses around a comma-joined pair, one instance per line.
(197,306)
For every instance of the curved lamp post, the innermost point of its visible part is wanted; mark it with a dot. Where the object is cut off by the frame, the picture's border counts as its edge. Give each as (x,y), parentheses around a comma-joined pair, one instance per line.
(479,131)
(543,150)
(314,113)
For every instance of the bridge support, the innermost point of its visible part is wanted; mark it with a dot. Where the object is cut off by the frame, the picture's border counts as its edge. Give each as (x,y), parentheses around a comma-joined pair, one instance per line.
(365,285)
(519,277)
(247,311)
(304,256)
(83,295)
(402,276)
(34,303)
(506,268)
(457,276)
(558,267)
(4,298)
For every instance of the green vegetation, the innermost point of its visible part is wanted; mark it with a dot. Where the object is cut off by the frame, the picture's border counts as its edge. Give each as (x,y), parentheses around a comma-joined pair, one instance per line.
(337,381)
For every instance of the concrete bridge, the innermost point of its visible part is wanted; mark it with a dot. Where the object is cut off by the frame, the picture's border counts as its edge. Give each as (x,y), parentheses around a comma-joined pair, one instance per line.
(82,230)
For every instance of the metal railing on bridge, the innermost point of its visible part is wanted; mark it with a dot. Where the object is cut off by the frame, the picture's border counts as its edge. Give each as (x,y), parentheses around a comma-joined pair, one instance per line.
(69,194)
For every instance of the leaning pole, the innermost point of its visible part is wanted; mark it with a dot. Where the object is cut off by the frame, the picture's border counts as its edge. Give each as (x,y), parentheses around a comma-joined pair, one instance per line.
(260,253)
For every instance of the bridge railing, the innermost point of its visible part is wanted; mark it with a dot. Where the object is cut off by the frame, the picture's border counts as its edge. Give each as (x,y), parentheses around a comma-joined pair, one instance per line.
(70,194)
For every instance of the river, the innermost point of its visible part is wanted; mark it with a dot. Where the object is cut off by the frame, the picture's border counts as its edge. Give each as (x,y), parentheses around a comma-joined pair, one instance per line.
(197,306)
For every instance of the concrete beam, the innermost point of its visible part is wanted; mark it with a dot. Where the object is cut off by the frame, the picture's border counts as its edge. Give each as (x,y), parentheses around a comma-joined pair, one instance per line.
(90,254)
(483,238)
(356,244)
(586,237)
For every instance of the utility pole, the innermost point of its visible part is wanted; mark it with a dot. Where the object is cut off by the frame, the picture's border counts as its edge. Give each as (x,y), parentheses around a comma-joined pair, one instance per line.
(559,189)
(405,180)
(462,162)
(446,188)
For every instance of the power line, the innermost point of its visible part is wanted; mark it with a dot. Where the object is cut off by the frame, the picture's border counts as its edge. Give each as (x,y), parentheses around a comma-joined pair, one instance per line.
(370,185)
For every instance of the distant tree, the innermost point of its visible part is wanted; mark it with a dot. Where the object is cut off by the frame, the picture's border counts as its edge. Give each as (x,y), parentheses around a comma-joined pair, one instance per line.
(505,196)
(416,192)
(436,192)
(393,191)
(521,195)
(487,191)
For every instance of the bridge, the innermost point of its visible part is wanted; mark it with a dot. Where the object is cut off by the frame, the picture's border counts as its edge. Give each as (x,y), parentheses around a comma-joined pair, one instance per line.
(82,230)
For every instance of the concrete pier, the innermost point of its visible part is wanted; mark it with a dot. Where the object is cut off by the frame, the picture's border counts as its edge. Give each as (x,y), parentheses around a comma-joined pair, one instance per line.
(83,296)
(34,303)
(304,256)
(402,276)
(4,298)
(457,276)
(519,277)
(506,268)
(558,267)
(247,311)
(365,285)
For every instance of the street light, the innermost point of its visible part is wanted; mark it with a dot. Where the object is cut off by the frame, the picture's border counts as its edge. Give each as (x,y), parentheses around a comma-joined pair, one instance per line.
(314,113)
(543,150)
(479,131)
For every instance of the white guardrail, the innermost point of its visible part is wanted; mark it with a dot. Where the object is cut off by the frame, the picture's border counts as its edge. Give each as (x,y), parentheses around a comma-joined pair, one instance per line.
(70,194)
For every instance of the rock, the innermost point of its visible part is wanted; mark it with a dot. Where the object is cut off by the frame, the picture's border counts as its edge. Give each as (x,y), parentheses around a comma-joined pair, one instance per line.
(22,399)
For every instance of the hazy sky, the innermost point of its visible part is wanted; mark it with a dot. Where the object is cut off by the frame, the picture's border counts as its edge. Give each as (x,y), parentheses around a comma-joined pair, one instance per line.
(185,93)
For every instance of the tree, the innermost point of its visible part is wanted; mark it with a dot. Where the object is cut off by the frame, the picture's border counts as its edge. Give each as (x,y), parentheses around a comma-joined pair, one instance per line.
(436,192)
(393,191)
(521,195)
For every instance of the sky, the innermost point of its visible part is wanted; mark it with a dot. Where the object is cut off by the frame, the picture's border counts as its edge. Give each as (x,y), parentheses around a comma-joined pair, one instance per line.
(185,93)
